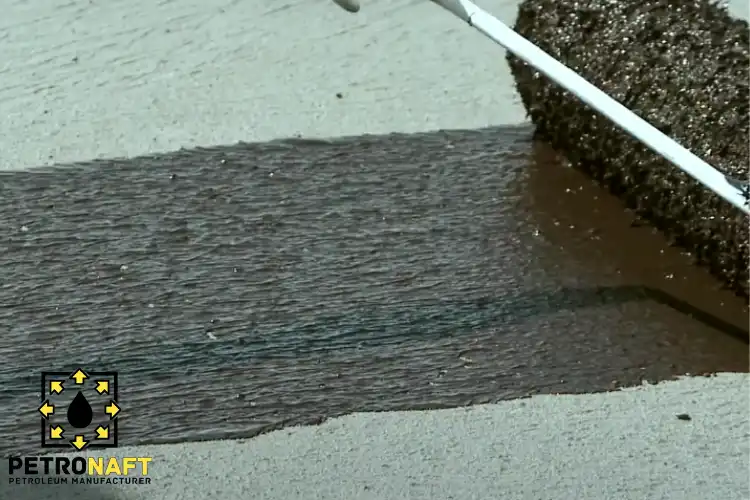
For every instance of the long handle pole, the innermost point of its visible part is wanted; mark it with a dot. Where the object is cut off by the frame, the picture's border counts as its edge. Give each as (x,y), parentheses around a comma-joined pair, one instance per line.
(591,95)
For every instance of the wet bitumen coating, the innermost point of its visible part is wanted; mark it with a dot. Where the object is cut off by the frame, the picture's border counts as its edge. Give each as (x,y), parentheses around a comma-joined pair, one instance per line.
(682,66)
(244,288)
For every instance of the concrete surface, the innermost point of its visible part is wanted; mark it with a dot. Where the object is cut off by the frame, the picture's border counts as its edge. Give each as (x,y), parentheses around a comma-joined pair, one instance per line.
(622,445)
(84,80)
(80,80)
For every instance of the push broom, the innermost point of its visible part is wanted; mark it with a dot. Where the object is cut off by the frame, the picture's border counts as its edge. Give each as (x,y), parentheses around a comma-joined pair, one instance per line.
(731,190)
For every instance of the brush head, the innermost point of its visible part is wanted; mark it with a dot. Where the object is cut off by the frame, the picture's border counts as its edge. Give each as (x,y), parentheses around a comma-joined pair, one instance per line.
(348,5)
(682,65)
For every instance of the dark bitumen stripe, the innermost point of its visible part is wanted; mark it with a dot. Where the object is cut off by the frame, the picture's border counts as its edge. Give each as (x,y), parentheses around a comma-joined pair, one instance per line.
(370,273)
(681,65)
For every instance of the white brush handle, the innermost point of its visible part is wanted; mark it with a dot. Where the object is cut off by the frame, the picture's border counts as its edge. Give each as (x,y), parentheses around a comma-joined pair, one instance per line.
(591,95)
(729,189)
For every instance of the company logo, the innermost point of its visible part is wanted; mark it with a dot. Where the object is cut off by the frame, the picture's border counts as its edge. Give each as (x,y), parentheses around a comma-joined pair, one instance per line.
(79,411)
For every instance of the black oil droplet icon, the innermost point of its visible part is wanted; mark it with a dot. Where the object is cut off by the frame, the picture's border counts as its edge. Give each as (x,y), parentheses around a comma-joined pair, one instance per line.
(80,413)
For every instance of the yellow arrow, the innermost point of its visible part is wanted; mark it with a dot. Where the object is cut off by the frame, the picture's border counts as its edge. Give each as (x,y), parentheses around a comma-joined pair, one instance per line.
(112,410)
(56,387)
(79,442)
(46,409)
(102,386)
(102,432)
(56,432)
(79,376)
